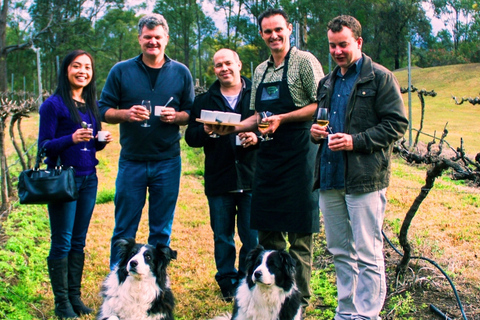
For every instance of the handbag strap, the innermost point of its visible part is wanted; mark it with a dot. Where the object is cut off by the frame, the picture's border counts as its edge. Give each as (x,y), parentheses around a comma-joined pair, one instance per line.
(42,153)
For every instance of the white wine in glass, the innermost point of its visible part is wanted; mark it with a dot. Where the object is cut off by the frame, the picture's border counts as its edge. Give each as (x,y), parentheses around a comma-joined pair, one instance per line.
(264,124)
(322,118)
(146,104)
(85,126)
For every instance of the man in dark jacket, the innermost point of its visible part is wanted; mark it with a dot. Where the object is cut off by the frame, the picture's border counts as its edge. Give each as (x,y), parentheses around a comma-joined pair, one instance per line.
(367,116)
(229,167)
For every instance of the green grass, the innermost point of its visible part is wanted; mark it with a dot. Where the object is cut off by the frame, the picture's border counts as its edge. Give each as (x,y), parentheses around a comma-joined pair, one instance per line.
(23,261)
(105,196)
(447,81)
(323,286)
(195,158)
(402,307)
(471,199)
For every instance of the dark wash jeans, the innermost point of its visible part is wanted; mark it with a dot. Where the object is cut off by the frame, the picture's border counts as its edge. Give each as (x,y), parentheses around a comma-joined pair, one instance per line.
(162,181)
(69,221)
(224,210)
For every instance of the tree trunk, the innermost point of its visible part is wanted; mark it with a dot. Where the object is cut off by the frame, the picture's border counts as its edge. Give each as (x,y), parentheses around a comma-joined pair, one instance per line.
(3,44)
(3,166)
(432,174)
(24,144)
(11,132)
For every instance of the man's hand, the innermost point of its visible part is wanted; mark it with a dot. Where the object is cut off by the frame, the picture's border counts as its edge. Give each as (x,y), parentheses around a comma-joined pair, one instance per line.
(340,142)
(222,130)
(137,113)
(318,132)
(274,122)
(248,139)
(168,115)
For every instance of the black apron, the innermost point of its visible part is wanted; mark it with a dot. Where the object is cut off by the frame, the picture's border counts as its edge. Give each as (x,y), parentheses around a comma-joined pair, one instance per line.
(282,197)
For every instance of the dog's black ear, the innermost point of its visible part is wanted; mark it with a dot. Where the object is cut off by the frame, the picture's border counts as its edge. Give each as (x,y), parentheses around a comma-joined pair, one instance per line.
(253,255)
(288,261)
(124,242)
(124,245)
(166,251)
(260,247)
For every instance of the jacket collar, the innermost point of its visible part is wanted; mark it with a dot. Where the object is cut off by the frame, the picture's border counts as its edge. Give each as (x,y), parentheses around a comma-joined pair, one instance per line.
(366,72)
(138,59)
(215,87)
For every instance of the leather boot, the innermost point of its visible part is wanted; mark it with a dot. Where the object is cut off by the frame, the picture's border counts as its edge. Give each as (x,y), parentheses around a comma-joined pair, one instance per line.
(58,272)
(75,271)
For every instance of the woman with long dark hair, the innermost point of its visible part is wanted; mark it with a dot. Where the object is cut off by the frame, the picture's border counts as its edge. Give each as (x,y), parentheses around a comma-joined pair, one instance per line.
(69,122)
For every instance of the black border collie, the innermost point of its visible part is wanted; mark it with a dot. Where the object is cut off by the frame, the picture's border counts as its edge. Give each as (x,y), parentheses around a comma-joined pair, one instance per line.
(138,288)
(268,292)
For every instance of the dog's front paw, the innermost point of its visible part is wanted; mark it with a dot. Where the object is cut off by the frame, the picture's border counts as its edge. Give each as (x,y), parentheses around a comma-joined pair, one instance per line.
(113,318)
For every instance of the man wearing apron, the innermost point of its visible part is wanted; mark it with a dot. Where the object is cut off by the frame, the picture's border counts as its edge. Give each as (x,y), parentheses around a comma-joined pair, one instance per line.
(284,208)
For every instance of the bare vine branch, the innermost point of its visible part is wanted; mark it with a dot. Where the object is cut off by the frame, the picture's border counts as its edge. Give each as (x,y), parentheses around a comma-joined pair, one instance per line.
(420,94)
(473,101)
(462,167)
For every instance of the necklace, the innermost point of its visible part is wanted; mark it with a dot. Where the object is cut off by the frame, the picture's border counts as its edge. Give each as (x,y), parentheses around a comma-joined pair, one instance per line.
(79,104)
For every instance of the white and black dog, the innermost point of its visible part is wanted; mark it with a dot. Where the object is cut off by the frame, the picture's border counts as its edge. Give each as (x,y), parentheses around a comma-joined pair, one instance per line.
(138,288)
(269,291)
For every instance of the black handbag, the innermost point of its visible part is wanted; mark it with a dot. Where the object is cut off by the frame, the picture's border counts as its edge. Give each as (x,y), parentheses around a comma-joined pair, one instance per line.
(39,186)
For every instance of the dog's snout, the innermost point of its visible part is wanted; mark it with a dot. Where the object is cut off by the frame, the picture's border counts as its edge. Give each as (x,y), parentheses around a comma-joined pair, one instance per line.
(133,263)
(258,274)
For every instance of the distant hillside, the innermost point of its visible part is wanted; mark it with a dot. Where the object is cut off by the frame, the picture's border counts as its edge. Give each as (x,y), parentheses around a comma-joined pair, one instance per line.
(447,81)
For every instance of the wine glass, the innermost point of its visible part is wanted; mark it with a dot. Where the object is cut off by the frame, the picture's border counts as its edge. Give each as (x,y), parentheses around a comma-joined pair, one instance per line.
(213,134)
(263,124)
(322,118)
(85,126)
(146,104)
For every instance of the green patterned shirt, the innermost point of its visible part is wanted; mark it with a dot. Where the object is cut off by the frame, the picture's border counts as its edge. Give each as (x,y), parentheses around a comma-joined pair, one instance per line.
(304,74)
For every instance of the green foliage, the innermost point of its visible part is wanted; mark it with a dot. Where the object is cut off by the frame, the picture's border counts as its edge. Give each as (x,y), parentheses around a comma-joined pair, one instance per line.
(189,27)
(108,31)
(115,40)
(21,66)
(323,286)
(194,159)
(471,199)
(438,57)
(402,172)
(402,307)
(23,261)
(105,196)
(395,225)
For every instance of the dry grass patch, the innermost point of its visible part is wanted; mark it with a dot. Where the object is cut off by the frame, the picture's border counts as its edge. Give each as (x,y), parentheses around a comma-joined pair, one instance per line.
(446,229)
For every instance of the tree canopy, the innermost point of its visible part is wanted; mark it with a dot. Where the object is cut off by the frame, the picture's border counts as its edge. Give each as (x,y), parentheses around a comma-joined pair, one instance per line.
(108,29)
